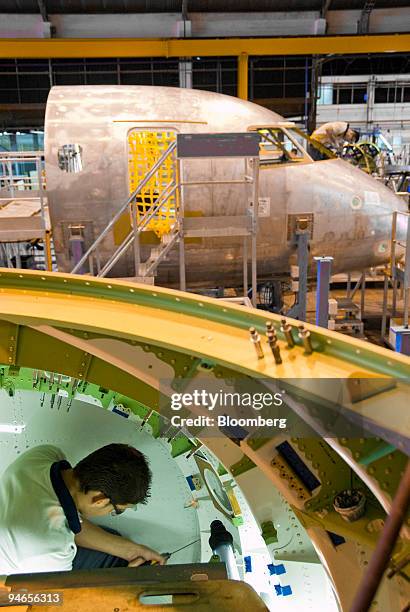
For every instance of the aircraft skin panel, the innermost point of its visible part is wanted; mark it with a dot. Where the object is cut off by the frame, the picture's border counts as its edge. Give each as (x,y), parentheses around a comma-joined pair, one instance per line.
(351,210)
(84,428)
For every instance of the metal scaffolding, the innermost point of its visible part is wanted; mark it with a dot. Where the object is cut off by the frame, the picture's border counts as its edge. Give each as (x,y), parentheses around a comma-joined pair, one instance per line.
(187,146)
(398,276)
(24,212)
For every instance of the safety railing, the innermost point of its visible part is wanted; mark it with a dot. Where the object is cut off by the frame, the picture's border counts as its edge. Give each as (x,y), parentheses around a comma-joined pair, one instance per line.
(22,180)
(169,203)
(17,177)
(133,237)
(398,272)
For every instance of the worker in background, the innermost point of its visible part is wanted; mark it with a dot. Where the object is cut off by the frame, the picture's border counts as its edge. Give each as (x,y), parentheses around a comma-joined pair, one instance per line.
(334,135)
(45,507)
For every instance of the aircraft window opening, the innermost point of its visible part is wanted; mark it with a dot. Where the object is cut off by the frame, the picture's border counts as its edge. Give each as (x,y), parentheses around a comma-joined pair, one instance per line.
(278,147)
(305,140)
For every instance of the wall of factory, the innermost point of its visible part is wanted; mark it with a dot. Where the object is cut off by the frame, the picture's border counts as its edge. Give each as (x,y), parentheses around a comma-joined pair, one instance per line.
(381,20)
(148,25)
(372,103)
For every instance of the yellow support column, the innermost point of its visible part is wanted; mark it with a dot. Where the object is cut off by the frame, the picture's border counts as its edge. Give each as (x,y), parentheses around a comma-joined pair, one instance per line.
(243,76)
(47,244)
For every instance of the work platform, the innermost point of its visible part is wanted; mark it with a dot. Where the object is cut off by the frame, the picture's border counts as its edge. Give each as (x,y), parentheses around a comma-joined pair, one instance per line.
(21,218)
(24,214)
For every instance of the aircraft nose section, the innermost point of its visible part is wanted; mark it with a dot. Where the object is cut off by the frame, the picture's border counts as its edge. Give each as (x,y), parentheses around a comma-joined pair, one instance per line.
(402,232)
(378,198)
(356,215)
(378,204)
(402,226)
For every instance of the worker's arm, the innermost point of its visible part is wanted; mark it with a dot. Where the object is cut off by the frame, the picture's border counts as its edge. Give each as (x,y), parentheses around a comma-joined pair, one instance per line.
(94,537)
(333,140)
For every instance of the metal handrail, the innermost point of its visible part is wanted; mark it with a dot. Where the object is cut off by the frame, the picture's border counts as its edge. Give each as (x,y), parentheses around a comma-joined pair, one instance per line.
(21,154)
(19,181)
(128,201)
(158,205)
(14,186)
(154,264)
(394,241)
(123,248)
(129,239)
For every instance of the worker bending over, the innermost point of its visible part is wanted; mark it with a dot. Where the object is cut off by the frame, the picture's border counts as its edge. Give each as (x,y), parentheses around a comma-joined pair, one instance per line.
(334,135)
(45,505)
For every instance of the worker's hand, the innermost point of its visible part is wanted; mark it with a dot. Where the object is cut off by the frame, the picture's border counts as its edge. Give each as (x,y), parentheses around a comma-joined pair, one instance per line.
(143,554)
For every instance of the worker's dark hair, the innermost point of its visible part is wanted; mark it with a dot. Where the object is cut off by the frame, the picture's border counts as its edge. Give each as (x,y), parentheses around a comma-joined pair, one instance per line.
(356,135)
(119,471)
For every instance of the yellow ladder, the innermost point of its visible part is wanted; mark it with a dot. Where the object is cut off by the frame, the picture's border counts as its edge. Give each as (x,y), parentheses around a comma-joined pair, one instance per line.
(144,149)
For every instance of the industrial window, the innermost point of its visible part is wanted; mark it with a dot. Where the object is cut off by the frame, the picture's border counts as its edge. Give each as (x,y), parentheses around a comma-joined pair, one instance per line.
(278,78)
(380,94)
(215,74)
(344,95)
(359,95)
(391,93)
(349,93)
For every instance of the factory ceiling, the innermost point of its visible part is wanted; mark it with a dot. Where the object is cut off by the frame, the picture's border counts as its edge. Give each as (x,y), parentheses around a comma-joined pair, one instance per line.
(175,6)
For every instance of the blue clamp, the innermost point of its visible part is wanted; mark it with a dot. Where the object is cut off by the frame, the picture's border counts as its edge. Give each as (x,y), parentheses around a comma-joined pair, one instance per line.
(283,590)
(276,569)
(190,481)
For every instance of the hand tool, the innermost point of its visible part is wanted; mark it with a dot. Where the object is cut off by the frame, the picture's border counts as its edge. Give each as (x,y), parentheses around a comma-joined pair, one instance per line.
(167,555)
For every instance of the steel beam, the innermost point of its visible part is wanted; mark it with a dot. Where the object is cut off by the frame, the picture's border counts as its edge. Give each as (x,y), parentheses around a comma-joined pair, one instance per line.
(364,21)
(104,355)
(325,7)
(43,10)
(174,47)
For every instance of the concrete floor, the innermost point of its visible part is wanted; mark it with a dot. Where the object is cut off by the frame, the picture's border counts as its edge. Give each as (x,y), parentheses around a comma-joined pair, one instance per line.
(372,311)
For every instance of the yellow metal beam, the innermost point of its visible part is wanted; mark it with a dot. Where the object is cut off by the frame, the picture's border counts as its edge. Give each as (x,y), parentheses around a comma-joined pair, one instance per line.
(243,76)
(49,259)
(208,47)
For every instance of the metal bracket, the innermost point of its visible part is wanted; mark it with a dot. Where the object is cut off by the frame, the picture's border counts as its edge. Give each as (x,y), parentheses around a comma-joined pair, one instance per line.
(299,223)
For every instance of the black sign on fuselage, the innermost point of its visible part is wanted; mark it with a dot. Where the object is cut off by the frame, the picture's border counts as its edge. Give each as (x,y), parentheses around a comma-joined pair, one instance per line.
(242,144)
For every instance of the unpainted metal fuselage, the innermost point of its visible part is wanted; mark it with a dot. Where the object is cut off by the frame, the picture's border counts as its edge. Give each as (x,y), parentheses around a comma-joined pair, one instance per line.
(352,212)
